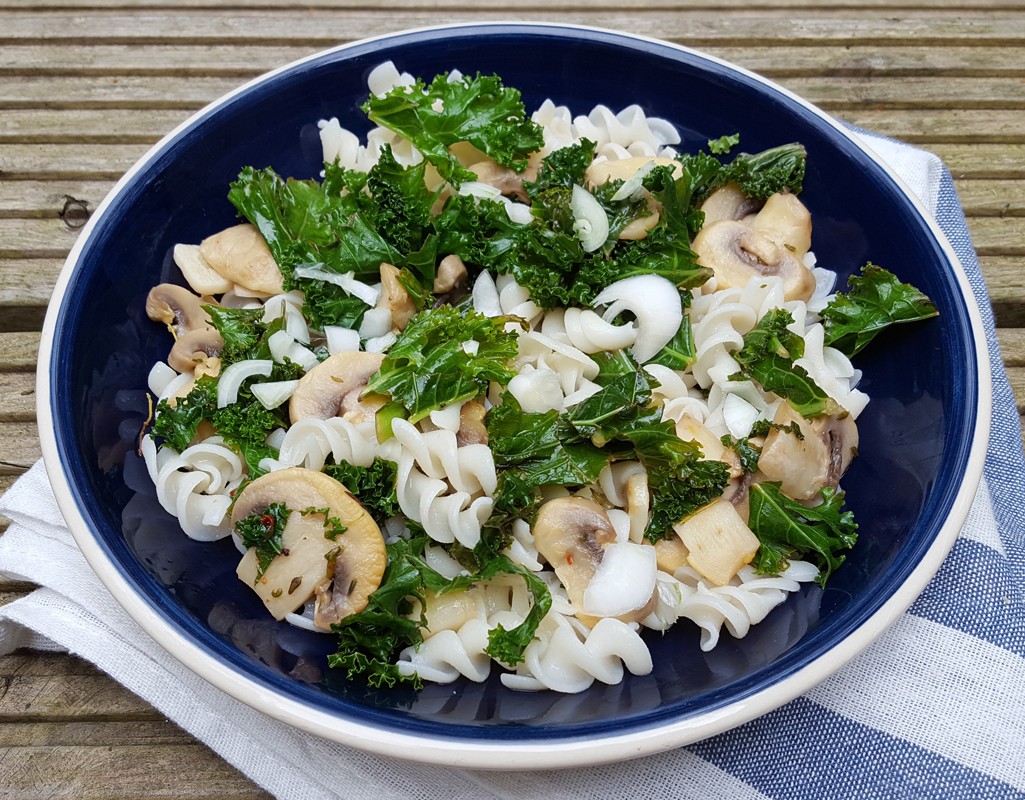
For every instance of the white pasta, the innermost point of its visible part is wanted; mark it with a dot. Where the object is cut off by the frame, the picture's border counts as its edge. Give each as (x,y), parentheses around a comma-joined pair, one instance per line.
(744,602)
(195,485)
(597,561)
(310,442)
(563,659)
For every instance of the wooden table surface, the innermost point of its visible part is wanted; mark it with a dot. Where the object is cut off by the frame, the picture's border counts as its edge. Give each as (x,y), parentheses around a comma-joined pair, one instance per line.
(86,86)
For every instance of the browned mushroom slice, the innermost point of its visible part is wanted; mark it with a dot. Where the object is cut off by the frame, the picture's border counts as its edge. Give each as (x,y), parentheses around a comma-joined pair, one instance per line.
(450,275)
(505,179)
(395,297)
(785,220)
(736,252)
(241,255)
(342,572)
(334,387)
(571,533)
(176,307)
(728,203)
(819,457)
(197,351)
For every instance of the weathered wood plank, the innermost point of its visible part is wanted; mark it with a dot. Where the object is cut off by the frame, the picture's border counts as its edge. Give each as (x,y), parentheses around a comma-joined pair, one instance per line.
(109,772)
(992,198)
(66,697)
(28,282)
(66,199)
(17,396)
(68,161)
(831,92)
(18,351)
(38,664)
(243,60)
(19,447)
(145,733)
(997,236)
(1016,377)
(936,6)
(35,238)
(322,27)
(947,125)
(992,161)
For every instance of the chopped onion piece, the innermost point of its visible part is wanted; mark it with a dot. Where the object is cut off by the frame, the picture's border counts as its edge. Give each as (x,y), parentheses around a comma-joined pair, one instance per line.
(624,580)
(739,415)
(233,375)
(279,344)
(341,340)
(376,322)
(368,294)
(633,183)
(478,189)
(380,343)
(591,221)
(485,296)
(273,394)
(655,303)
(160,376)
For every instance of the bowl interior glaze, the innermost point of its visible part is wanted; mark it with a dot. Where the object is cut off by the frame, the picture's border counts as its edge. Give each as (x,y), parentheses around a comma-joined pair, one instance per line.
(916,435)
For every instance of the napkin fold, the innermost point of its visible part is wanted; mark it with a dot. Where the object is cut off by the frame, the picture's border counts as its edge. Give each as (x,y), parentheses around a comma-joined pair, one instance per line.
(934,709)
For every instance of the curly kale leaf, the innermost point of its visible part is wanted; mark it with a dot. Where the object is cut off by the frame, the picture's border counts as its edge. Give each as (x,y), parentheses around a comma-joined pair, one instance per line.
(788,529)
(477,110)
(768,356)
(373,485)
(442,357)
(876,301)
(263,530)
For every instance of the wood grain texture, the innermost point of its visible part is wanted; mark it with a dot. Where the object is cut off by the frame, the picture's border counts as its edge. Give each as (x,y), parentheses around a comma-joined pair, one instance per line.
(87,86)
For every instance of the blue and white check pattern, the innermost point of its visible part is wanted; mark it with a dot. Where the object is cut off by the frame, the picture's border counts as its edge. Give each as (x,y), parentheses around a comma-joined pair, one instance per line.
(934,709)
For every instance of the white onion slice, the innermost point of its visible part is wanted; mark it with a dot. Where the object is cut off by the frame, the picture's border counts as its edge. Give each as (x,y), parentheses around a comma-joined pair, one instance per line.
(232,377)
(159,378)
(274,393)
(368,294)
(591,221)
(341,340)
(624,580)
(739,415)
(485,296)
(376,322)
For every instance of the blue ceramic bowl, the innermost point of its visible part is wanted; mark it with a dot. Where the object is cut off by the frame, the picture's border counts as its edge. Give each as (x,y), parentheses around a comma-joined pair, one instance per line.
(922,437)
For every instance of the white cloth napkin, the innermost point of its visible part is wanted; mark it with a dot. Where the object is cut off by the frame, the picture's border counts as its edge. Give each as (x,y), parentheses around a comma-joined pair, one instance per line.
(932,709)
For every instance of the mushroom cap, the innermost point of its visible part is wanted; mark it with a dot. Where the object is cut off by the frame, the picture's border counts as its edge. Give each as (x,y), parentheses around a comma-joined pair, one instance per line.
(728,202)
(621,169)
(176,307)
(333,387)
(785,220)
(395,297)
(803,466)
(343,572)
(196,348)
(572,533)
(241,255)
(736,252)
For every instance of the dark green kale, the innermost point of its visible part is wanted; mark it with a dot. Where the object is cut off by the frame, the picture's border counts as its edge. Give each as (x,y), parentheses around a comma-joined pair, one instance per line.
(761,175)
(876,300)
(788,529)
(445,356)
(373,486)
(768,356)
(177,424)
(262,530)
(371,640)
(477,110)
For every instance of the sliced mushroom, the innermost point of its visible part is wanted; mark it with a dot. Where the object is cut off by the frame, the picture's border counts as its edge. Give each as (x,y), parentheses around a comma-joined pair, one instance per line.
(176,307)
(622,169)
(203,278)
(342,572)
(450,275)
(395,297)
(241,255)
(718,541)
(786,221)
(670,554)
(333,387)
(572,533)
(728,202)
(471,424)
(197,351)
(819,457)
(736,252)
(505,179)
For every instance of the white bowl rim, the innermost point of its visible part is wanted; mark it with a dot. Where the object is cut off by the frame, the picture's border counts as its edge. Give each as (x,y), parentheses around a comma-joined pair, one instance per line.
(501,753)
